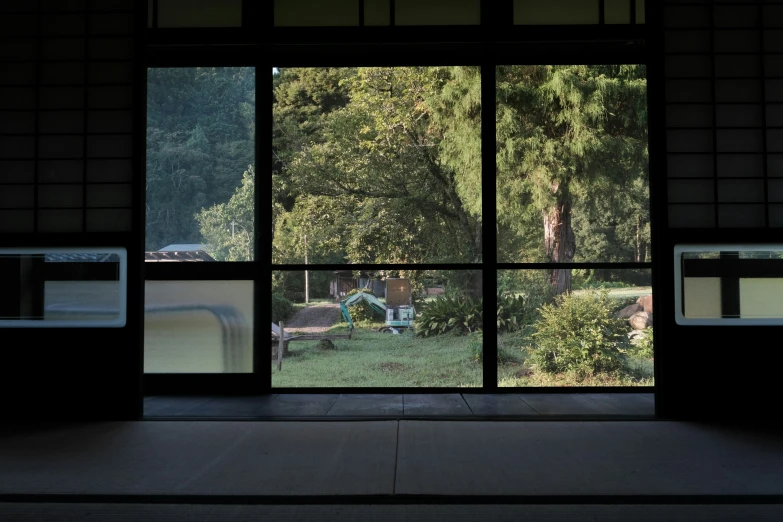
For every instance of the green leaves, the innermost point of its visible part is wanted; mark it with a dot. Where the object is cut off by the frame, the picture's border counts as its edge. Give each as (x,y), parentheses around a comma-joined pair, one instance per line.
(571,133)
(579,334)
(458,314)
(399,148)
(227,228)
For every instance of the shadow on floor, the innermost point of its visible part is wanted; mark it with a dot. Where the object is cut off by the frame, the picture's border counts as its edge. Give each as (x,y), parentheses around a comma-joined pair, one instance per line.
(394,406)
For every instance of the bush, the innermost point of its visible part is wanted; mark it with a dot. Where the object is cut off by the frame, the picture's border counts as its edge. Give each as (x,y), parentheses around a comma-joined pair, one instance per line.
(282,308)
(642,347)
(579,334)
(450,314)
(362,311)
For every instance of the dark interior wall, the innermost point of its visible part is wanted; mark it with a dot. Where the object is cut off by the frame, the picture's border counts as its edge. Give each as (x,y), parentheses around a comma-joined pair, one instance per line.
(68,113)
(719,81)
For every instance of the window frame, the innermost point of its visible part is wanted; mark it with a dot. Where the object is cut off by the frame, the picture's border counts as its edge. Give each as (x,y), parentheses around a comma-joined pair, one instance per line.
(496,41)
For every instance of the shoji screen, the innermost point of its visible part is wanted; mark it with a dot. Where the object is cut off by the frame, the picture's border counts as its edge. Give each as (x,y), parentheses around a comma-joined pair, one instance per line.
(724,114)
(65,115)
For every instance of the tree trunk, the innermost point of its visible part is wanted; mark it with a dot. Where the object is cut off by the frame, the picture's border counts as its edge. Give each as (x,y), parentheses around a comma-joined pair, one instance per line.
(559,241)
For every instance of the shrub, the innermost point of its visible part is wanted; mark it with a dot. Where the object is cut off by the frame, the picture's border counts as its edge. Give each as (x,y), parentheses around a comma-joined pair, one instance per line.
(450,314)
(642,347)
(579,334)
(362,311)
(282,308)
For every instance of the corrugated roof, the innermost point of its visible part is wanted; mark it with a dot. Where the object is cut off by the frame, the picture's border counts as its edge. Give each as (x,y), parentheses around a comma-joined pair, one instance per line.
(198,255)
(192,247)
(81,257)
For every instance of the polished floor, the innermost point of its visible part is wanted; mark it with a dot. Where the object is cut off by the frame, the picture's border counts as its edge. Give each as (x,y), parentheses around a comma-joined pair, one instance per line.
(402,406)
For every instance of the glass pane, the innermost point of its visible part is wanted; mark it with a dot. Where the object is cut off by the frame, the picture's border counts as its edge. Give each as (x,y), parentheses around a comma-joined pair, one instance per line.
(728,284)
(617,11)
(199,13)
(376,165)
(555,12)
(599,334)
(200,163)
(437,12)
(63,287)
(198,327)
(376,12)
(572,169)
(324,13)
(383,328)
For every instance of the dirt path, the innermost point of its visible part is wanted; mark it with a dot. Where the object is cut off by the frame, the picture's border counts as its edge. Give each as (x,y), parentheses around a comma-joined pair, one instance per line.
(314,319)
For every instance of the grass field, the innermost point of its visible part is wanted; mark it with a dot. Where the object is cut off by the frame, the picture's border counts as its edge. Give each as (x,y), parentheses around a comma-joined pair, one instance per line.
(373,359)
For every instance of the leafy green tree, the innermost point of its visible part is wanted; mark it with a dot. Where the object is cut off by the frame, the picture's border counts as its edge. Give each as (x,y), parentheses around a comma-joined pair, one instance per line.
(200,138)
(564,134)
(228,228)
(380,155)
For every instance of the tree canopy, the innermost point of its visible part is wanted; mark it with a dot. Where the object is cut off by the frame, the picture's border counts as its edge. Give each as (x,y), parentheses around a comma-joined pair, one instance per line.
(383,164)
(200,139)
(369,164)
(572,176)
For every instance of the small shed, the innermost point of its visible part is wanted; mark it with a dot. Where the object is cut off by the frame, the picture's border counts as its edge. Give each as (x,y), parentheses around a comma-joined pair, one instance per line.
(344,281)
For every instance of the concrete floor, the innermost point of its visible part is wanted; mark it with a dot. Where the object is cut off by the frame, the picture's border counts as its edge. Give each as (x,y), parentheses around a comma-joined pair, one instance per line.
(402,406)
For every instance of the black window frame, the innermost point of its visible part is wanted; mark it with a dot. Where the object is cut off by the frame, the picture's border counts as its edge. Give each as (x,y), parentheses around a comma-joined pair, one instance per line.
(496,41)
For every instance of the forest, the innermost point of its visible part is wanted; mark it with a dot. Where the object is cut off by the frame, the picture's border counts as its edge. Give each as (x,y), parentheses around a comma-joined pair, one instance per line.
(383,165)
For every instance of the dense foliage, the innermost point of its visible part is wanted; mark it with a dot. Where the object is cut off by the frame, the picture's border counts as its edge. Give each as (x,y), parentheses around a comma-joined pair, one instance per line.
(282,308)
(456,314)
(383,165)
(572,178)
(579,334)
(376,165)
(200,140)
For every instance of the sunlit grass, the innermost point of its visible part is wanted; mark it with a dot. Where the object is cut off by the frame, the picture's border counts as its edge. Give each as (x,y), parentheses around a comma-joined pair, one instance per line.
(374,359)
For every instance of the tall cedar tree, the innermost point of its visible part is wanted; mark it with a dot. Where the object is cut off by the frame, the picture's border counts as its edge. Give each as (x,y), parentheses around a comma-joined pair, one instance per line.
(566,133)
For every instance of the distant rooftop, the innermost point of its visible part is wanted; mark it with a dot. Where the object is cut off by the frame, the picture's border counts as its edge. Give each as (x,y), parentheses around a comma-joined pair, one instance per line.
(83,257)
(178,255)
(183,248)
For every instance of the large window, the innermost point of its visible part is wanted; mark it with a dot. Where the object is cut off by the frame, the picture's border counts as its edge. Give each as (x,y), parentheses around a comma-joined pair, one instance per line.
(378,168)
(200,208)
(401,178)
(573,214)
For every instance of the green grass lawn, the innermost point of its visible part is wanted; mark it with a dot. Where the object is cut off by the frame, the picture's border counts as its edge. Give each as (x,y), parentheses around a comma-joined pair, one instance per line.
(374,359)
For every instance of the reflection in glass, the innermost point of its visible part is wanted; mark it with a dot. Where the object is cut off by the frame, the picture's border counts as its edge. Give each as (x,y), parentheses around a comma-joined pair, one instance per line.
(63,287)
(198,327)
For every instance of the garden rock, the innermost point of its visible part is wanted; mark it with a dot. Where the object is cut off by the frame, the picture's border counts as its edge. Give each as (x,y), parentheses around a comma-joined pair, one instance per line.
(646,302)
(641,320)
(629,310)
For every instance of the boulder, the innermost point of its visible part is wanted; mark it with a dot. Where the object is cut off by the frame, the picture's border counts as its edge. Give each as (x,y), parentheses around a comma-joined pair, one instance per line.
(641,320)
(629,310)
(646,302)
